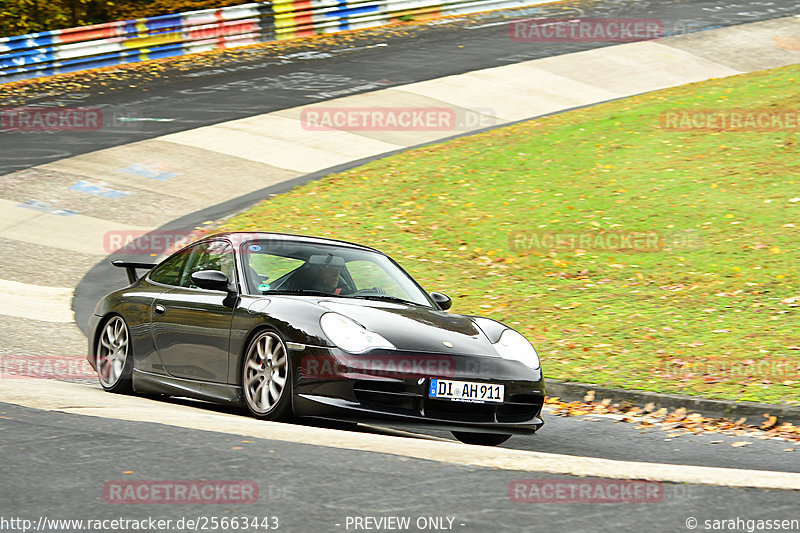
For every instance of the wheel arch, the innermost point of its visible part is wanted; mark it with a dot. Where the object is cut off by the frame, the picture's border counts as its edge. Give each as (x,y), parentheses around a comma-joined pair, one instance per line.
(255,330)
(99,330)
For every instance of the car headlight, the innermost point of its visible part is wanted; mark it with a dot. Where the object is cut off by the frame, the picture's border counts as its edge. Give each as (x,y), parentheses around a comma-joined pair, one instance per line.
(350,336)
(512,345)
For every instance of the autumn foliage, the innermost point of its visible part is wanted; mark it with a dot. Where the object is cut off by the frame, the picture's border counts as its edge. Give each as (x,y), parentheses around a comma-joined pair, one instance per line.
(19,17)
(151,8)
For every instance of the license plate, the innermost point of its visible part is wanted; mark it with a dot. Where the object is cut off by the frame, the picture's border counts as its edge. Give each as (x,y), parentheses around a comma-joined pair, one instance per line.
(466,391)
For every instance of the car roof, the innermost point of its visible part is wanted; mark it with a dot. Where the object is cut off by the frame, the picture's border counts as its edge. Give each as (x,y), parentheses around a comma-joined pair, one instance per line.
(239,237)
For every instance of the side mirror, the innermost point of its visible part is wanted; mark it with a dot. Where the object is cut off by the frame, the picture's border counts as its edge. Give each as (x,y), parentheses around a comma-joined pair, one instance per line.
(213,280)
(442,300)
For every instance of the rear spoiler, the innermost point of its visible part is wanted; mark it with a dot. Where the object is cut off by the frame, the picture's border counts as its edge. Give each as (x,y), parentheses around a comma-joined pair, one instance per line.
(130,268)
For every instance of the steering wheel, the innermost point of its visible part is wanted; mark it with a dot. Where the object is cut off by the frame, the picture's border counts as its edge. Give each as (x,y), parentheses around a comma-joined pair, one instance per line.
(365,292)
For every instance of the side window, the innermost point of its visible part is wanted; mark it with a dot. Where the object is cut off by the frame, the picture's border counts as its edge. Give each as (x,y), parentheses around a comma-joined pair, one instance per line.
(214,255)
(169,273)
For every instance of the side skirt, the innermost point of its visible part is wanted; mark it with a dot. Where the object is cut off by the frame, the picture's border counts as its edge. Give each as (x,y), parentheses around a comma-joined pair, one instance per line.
(159,384)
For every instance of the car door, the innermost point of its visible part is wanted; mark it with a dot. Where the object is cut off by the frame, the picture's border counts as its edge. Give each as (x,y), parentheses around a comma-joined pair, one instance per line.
(191,326)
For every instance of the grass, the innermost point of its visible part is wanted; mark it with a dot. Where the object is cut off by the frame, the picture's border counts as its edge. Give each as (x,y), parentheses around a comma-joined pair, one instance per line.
(709,311)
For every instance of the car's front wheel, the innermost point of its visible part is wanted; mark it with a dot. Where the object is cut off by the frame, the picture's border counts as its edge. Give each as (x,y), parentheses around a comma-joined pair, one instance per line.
(113,360)
(482,439)
(266,377)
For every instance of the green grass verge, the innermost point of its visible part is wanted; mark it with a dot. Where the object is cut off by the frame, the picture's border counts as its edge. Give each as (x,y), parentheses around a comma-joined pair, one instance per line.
(707,312)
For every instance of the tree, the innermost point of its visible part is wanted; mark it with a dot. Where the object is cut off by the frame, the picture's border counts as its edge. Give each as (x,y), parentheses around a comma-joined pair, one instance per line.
(18,17)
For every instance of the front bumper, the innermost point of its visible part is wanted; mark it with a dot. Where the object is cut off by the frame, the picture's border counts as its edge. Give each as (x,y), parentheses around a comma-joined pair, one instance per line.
(354,391)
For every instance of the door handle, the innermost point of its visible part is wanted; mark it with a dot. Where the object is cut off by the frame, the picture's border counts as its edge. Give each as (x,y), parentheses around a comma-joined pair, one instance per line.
(160,309)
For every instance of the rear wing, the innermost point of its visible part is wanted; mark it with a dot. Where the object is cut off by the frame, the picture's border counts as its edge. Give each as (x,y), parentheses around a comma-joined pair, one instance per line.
(130,268)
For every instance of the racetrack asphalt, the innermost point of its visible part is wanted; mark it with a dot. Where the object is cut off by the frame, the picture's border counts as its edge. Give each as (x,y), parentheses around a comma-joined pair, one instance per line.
(485,46)
(139,104)
(63,461)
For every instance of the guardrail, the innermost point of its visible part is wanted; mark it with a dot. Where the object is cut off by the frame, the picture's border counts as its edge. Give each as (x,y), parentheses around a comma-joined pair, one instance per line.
(115,43)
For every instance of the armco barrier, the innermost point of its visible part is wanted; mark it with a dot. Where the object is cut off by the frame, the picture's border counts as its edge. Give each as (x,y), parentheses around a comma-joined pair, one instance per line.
(114,43)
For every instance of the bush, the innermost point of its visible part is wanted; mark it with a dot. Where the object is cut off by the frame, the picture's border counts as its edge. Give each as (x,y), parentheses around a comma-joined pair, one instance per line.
(152,8)
(19,17)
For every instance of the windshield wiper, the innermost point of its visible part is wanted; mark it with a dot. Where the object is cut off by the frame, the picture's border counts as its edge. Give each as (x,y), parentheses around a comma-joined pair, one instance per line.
(302,292)
(310,292)
(387,298)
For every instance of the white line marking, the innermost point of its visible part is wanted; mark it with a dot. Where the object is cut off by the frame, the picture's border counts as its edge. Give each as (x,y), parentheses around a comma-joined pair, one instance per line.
(145,119)
(90,400)
(47,304)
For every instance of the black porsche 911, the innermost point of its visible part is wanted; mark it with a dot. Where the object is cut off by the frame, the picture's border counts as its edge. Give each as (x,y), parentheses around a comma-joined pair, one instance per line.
(288,325)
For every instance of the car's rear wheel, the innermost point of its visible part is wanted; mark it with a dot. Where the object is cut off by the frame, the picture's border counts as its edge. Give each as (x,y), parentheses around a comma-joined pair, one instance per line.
(482,439)
(266,377)
(114,361)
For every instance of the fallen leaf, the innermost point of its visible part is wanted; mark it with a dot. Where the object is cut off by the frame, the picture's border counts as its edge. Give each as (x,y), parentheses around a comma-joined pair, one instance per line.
(740,443)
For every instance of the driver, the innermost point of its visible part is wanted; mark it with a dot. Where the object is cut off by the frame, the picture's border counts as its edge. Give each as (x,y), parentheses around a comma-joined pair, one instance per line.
(325,278)
(324,273)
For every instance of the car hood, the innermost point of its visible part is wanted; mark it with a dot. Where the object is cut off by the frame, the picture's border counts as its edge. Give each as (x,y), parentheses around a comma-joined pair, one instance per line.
(414,328)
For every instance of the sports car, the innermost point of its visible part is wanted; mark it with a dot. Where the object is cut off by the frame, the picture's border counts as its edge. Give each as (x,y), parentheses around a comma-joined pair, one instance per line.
(295,326)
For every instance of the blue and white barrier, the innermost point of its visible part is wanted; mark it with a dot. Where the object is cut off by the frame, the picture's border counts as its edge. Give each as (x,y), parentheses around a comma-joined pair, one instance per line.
(115,43)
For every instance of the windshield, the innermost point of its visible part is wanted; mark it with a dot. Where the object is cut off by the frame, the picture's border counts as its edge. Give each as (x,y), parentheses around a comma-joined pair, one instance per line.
(280,266)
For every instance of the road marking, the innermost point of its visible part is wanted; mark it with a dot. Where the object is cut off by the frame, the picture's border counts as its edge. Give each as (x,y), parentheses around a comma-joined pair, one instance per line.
(282,142)
(47,304)
(44,207)
(145,119)
(75,233)
(509,23)
(90,400)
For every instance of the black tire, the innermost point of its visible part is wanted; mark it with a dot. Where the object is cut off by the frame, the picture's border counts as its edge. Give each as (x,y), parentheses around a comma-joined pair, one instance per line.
(481,439)
(114,357)
(266,377)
